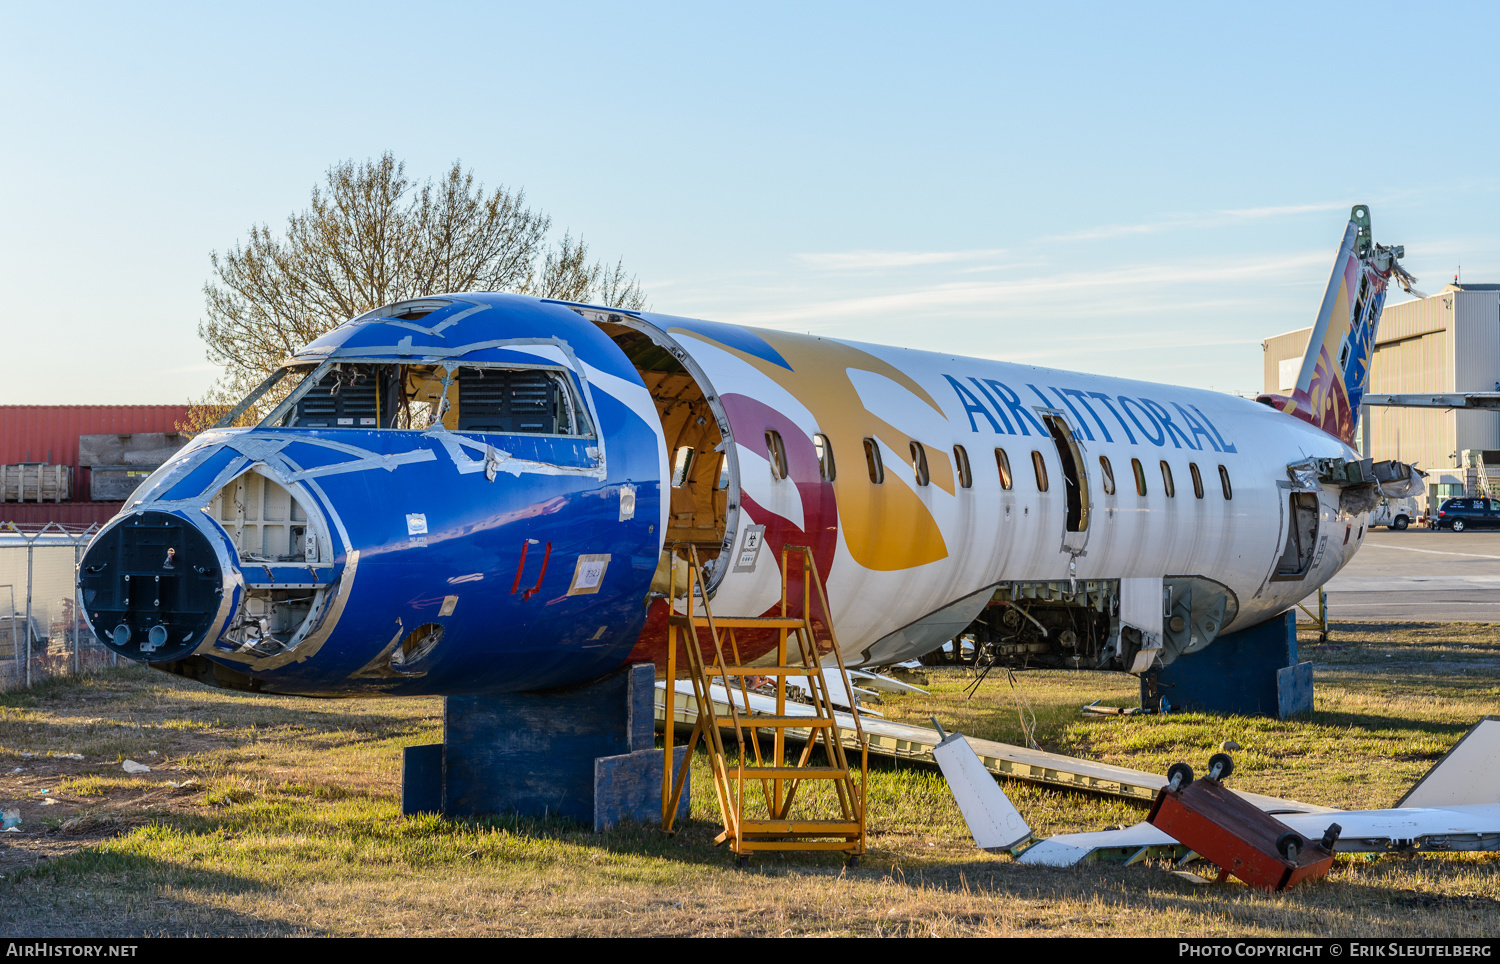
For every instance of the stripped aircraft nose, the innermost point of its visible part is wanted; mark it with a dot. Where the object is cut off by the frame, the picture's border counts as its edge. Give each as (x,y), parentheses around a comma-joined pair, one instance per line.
(154,585)
(244,567)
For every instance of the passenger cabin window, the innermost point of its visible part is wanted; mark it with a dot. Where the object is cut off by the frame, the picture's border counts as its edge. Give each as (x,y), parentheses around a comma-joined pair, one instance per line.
(1140,476)
(1197,480)
(374,395)
(1107,473)
(1166,480)
(723,472)
(681,465)
(776,451)
(872,461)
(961,459)
(1224,481)
(824,450)
(1002,462)
(919,463)
(1040,465)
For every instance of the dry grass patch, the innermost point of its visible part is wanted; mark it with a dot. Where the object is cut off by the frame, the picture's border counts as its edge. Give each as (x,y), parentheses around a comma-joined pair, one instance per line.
(268,815)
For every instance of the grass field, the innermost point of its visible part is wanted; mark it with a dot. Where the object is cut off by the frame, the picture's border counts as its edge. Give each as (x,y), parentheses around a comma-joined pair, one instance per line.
(280,816)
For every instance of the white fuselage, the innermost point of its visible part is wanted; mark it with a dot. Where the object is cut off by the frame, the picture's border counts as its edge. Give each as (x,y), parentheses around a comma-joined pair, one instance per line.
(906,551)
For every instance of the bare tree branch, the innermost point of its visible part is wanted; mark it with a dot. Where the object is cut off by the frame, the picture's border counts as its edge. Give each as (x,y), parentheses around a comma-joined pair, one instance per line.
(371,236)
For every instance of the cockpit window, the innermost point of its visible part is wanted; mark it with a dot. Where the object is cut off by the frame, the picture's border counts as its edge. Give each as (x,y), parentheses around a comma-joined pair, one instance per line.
(470,398)
(512,400)
(341,399)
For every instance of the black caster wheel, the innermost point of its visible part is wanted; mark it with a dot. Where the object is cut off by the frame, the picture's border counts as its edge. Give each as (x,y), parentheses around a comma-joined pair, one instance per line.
(1179,775)
(1290,844)
(1220,766)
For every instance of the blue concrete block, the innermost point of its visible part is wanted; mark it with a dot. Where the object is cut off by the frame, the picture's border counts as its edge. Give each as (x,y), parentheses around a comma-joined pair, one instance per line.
(1294,689)
(1238,673)
(535,753)
(422,779)
(628,787)
(642,696)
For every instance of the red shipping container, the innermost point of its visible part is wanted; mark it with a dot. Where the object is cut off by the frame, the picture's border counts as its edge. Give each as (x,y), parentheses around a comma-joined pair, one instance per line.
(49,433)
(70,514)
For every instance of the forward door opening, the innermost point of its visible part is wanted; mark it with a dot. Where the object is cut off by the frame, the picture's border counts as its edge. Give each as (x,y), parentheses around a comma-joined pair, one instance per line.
(704,483)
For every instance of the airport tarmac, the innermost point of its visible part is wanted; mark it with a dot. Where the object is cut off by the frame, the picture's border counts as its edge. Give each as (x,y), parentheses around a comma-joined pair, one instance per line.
(1419,575)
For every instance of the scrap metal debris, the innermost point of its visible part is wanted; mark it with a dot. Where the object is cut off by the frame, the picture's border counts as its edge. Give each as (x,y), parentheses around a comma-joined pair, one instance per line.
(1094,709)
(993,820)
(1454,807)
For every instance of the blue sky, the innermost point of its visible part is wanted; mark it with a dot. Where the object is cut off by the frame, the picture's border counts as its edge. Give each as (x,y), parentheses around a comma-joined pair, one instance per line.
(1144,190)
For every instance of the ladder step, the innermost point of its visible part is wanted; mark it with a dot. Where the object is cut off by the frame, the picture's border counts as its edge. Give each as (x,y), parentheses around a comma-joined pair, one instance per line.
(799,773)
(819,827)
(763,670)
(741,622)
(850,843)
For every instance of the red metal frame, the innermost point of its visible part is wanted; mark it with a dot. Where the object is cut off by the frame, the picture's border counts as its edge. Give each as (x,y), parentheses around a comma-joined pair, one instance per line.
(1236,835)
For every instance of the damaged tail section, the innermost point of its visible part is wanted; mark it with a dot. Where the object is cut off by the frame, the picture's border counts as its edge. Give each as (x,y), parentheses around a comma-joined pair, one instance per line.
(1335,371)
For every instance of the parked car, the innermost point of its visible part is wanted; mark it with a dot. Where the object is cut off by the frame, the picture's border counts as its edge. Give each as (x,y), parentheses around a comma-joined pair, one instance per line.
(1395,513)
(1461,514)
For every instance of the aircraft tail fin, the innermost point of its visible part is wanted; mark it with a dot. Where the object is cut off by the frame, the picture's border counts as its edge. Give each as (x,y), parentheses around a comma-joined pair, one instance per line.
(1336,369)
(1465,775)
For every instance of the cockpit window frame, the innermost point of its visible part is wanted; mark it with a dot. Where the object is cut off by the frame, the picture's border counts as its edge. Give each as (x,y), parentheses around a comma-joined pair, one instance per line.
(578,405)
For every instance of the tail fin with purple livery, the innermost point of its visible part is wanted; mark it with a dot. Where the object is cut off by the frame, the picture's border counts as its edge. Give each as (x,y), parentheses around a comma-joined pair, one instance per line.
(1336,369)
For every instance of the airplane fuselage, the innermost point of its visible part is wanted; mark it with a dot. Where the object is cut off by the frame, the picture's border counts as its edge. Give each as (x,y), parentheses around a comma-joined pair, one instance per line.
(476,497)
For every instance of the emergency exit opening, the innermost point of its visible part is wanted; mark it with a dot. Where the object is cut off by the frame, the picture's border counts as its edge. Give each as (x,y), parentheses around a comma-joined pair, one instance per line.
(1075,482)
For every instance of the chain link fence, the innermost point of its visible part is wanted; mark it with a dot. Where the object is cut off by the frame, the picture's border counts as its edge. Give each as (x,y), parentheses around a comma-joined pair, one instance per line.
(43,630)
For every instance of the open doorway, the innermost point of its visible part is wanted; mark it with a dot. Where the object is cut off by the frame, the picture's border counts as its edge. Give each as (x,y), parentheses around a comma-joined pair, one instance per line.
(1075,484)
(704,479)
(1301,537)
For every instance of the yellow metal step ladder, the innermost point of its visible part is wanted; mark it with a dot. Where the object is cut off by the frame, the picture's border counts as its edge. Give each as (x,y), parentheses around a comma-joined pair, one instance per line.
(765,821)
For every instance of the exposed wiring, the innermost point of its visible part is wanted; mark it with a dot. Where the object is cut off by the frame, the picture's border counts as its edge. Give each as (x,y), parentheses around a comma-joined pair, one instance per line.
(1024,712)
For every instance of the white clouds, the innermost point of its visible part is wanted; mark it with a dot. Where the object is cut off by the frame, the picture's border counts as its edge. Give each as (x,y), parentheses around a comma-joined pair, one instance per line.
(1110,291)
(1286,209)
(1212,219)
(1190,306)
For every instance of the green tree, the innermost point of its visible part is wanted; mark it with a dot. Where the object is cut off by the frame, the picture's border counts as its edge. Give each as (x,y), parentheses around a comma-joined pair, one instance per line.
(372,236)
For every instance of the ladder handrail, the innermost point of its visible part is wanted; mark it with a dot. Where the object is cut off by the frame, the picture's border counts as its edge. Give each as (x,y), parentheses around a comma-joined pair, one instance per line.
(809,567)
(780,786)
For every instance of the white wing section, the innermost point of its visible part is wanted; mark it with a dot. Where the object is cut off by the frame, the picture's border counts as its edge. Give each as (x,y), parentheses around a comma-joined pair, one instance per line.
(992,818)
(1068,849)
(1362,831)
